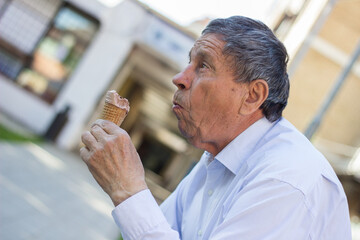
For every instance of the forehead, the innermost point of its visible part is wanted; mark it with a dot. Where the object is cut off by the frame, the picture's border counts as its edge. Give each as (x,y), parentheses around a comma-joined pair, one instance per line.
(210,44)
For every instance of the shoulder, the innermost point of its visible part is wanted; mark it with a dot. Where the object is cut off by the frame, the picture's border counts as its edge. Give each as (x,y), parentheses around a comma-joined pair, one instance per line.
(285,160)
(287,155)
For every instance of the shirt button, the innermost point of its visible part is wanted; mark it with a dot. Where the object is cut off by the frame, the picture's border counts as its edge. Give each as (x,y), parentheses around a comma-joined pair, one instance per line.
(200,233)
(210,192)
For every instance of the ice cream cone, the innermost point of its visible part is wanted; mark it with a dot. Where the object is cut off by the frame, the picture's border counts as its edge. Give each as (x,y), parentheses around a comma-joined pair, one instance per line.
(113,113)
(116,108)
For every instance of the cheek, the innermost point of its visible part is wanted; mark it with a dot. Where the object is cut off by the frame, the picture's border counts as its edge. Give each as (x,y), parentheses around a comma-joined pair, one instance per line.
(217,103)
(205,101)
(200,99)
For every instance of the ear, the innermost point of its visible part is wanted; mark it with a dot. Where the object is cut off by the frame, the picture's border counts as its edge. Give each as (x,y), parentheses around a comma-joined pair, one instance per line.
(258,91)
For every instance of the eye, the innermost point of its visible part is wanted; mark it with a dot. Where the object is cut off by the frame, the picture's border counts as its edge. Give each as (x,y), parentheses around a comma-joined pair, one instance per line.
(203,65)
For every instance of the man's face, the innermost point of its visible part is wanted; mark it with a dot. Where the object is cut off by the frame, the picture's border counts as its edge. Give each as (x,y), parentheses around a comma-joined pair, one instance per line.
(208,98)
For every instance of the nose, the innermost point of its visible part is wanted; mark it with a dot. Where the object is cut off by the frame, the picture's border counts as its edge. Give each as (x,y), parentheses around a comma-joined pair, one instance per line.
(183,79)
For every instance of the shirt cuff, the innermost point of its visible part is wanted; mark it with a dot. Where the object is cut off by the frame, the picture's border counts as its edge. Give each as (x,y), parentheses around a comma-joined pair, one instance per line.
(137,215)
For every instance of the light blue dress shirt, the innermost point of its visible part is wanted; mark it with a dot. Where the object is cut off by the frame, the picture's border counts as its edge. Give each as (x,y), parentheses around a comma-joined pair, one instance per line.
(268,183)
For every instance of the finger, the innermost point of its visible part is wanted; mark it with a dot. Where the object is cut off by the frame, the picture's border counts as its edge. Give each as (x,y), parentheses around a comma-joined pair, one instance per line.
(85,154)
(98,133)
(89,140)
(109,127)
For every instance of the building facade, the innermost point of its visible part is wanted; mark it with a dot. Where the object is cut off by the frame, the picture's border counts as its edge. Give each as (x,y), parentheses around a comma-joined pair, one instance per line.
(58,58)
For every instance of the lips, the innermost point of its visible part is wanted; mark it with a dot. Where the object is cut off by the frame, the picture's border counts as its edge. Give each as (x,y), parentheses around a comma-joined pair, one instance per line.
(177,103)
(176,109)
(177,106)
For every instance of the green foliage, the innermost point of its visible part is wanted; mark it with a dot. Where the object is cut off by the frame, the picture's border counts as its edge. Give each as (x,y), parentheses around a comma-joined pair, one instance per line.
(9,135)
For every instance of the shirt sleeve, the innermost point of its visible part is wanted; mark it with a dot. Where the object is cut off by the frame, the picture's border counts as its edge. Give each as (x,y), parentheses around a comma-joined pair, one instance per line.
(140,217)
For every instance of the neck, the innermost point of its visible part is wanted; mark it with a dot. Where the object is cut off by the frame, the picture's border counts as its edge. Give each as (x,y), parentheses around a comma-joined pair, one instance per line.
(222,139)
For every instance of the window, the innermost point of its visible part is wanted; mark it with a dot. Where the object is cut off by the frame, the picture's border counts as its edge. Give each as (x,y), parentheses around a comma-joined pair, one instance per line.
(41,43)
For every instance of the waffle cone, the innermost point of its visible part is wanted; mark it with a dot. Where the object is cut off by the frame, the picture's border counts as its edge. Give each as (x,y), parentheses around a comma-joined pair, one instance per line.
(113,113)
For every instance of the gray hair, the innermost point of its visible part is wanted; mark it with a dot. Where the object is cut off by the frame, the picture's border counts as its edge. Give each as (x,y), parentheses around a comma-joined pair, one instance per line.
(256,53)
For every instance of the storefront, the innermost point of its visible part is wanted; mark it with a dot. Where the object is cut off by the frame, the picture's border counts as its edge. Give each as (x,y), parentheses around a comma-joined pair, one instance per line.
(58,59)
(57,55)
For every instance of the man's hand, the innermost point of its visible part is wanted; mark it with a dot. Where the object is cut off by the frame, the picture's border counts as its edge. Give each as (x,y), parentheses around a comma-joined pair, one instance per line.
(113,161)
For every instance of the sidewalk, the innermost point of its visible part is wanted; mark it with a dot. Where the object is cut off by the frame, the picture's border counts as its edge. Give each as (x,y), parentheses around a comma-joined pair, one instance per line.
(46,193)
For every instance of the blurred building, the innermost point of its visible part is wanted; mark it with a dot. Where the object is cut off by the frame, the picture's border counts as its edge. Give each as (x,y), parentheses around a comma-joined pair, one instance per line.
(58,58)
(323,99)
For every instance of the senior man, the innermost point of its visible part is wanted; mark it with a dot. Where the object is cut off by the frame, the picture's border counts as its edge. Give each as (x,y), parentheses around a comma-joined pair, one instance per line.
(259,178)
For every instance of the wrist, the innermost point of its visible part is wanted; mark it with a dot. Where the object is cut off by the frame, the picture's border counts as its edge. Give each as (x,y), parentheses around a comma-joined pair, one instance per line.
(118,197)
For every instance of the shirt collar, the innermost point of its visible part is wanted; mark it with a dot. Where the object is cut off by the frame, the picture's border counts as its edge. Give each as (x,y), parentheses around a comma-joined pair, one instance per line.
(236,152)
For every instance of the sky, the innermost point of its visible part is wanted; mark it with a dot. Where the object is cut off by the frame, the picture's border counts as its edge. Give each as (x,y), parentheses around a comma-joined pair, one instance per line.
(185,12)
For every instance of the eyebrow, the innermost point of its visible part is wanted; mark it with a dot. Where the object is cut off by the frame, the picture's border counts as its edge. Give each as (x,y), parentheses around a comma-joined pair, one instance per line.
(203,55)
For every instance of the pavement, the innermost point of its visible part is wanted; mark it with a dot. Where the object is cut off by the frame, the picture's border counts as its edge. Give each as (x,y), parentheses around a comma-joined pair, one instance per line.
(47,193)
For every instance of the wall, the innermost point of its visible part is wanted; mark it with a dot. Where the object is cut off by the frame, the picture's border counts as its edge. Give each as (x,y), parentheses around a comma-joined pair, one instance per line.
(318,71)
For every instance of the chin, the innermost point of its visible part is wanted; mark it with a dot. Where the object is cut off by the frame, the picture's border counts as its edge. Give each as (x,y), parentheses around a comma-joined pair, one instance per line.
(185,132)
(191,137)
